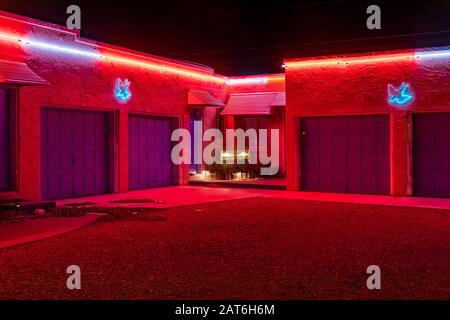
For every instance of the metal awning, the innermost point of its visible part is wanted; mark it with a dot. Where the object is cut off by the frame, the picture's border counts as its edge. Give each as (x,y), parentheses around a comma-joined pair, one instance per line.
(18,73)
(280,99)
(201,97)
(259,103)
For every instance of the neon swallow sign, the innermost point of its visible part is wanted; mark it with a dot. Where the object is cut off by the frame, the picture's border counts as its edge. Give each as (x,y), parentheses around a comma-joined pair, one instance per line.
(400,96)
(122,90)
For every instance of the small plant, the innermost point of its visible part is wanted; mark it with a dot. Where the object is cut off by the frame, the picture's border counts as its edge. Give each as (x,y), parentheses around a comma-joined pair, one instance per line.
(227,171)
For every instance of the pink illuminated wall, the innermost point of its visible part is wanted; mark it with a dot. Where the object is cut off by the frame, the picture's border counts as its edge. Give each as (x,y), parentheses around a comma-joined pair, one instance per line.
(87,82)
(262,83)
(358,85)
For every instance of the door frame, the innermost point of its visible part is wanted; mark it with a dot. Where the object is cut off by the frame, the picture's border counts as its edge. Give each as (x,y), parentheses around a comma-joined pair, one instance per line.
(411,115)
(13,105)
(298,129)
(176,124)
(113,142)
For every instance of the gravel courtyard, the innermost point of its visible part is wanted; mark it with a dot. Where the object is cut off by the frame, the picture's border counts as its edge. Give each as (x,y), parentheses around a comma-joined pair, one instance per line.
(255,248)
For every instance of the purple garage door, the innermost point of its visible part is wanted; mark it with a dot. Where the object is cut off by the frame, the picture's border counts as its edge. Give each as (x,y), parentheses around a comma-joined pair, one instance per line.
(345,154)
(431,155)
(149,155)
(5,137)
(74,153)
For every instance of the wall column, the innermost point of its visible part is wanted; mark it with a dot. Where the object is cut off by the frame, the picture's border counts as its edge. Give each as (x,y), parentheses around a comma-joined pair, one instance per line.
(292,153)
(400,153)
(123,151)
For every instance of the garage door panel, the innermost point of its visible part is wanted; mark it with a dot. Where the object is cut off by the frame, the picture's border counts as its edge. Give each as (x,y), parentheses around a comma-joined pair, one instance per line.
(325,160)
(81,183)
(357,159)
(66,160)
(354,183)
(354,161)
(5,139)
(382,177)
(442,185)
(325,181)
(339,141)
(340,124)
(368,123)
(441,141)
(354,139)
(339,182)
(369,163)
(52,159)
(383,166)
(311,181)
(431,155)
(339,162)
(54,183)
(53,137)
(101,159)
(325,141)
(369,185)
(325,124)
(311,161)
(150,147)
(369,141)
(75,155)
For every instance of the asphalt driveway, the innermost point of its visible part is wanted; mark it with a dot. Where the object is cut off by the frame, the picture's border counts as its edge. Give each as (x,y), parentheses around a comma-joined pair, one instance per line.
(257,248)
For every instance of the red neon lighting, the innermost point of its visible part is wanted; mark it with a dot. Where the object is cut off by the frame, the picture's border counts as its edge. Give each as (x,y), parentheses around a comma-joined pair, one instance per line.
(139,61)
(350,61)
(276,78)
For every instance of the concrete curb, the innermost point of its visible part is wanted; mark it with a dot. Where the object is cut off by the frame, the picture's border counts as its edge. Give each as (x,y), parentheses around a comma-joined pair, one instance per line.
(79,223)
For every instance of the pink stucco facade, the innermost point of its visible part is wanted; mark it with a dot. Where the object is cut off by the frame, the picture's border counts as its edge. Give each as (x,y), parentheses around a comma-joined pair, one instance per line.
(360,88)
(86,82)
(82,75)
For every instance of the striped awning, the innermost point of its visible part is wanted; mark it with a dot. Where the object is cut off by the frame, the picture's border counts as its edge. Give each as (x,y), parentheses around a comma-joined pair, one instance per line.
(201,97)
(280,99)
(19,74)
(259,103)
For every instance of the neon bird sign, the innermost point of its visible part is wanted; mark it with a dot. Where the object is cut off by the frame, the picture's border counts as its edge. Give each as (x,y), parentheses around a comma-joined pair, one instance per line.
(122,90)
(400,96)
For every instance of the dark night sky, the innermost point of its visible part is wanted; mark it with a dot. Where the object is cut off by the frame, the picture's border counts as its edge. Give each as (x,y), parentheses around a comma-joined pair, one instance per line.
(245,37)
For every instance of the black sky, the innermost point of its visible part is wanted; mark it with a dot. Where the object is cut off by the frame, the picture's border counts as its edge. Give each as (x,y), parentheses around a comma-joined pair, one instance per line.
(247,37)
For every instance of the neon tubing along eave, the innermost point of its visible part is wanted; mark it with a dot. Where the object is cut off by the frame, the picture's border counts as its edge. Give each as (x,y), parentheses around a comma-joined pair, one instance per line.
(162,67)
(413,56)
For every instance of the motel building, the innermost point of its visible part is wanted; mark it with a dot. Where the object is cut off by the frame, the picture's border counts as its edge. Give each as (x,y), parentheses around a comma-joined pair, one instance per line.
(80,118)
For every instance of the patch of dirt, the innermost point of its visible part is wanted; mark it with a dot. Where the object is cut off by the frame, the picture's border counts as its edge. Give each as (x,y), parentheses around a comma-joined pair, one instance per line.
(250,249)
(112,213)
(6,201)
(10,215)
(125,201)
(80,204)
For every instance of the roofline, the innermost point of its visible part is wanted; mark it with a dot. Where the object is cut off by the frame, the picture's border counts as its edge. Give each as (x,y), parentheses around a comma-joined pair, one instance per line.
(78,38)
(368,56)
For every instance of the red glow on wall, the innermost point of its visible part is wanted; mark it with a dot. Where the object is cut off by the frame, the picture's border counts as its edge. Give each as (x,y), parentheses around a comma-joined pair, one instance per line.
(350,60)
(119,57)
(388,57)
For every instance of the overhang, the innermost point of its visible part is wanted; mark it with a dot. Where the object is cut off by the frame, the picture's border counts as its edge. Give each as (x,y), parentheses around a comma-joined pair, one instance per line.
(202,97)
(259,103)
(19,74)
(280,99)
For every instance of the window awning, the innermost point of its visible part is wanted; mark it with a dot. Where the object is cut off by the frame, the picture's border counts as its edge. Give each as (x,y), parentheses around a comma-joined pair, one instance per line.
(259,103)
(201,97)
(280,100)
(18,73)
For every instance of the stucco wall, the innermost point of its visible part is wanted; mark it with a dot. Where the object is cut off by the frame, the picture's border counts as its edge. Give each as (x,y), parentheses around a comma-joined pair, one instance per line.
(362,89)
(274,83)
(88,83)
